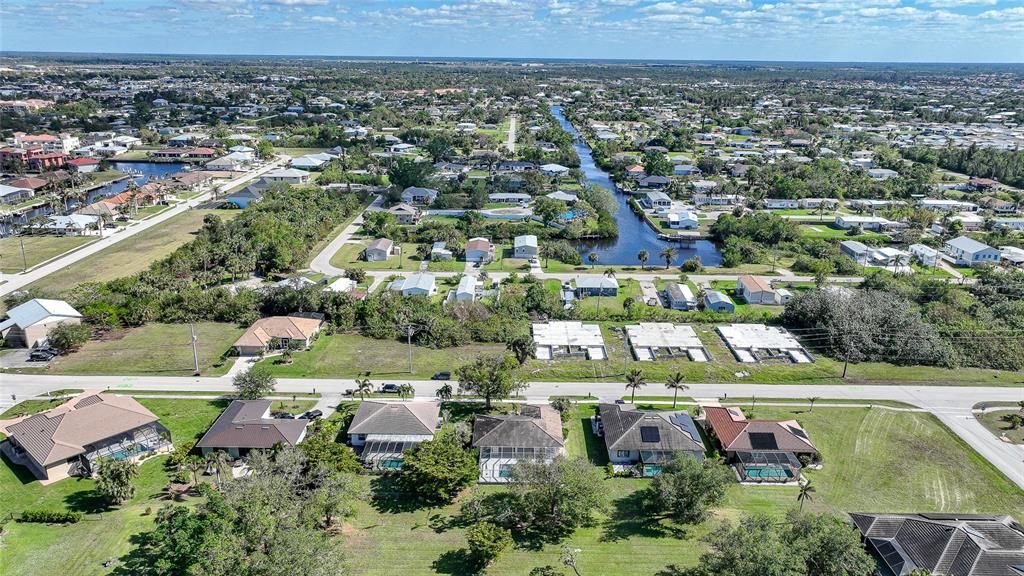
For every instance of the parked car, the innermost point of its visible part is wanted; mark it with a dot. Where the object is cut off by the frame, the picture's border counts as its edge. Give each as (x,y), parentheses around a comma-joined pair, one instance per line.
(312,415)
(42,355)
(389,389)
(446,375)
(283,415)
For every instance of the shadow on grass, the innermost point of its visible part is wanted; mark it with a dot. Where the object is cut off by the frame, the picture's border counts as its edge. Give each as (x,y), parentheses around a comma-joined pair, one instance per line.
(22,473)
(596,452)
(630,518)
(86,501)
(456,562)
(389,495)
(465,411)
(503,509)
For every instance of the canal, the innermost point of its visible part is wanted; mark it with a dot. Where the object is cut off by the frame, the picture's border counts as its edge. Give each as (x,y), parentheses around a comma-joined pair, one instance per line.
(634,234)
(141,172)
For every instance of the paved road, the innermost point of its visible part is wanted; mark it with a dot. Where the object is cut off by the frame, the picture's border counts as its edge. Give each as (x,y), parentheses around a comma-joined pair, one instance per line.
(951,404)
(322,262)
(20,280)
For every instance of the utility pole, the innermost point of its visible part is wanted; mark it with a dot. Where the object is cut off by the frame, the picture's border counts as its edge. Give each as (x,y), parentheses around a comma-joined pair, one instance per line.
(409,330)
(24,259)
(195,351)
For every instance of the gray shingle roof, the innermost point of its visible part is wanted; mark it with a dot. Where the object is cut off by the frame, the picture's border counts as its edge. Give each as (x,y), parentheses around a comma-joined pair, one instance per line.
(243,425)
(676,430)
(534,427)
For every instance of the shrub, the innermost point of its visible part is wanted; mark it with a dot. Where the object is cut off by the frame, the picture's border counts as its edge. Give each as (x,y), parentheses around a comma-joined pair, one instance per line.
(50,516)
(67,337)
(487,541)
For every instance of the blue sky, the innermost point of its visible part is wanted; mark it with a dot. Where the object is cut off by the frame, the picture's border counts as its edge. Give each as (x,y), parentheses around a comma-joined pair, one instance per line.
(845,30)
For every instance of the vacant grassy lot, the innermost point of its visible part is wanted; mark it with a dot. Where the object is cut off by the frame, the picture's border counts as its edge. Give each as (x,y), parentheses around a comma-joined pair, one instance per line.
(830,231)
(350,256)
(995,421)
(38,249)
(130,256)
(82,548)
(352,355)
(153,350)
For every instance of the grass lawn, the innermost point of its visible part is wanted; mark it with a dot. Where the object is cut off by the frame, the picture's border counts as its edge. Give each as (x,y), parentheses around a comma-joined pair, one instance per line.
(105,176)
(82,548)
(153,349)
(130,256)
(746,402)
(38,249)
(830,231)
(349,256)
(505,262)
(296,152)
(993,420)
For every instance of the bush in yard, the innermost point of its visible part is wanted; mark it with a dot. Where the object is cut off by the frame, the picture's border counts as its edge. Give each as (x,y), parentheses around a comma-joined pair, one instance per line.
(254,383)
(68,337)
(686,488)
(50,516)
(487,541)
(558,496)
(114,481)
(439,469)
(562,405)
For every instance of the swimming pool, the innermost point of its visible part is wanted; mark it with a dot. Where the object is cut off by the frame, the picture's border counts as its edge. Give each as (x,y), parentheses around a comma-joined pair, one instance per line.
(757,473)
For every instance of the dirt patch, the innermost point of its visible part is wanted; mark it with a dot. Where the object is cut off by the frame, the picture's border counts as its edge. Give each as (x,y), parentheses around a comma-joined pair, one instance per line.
(111,335)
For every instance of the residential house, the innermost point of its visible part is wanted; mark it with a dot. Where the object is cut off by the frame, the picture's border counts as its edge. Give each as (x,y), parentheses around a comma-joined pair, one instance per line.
(419,195)
(679,297)
(379,250)
(525,246)
(657,182)
(247,425)
(287,176)
(554,170)
(479,250)
(943,544)
(635,171)
(858,251)
(760,450)
(882,173)
(781,204)
(419,284)
(684,220)
(468,290)
(509,198)
(439,251)
(648,440)
(1011,223)
(657,200)
(69,440)
(756,290)
(249,195)
(28,324)
(924,255)
(15,194)
(535,434)
(405,213)
(381,432)
(69,225)
(967,251)
(718,302)
(685,170)
(876,223)
(279,333)
(567,197)
(84,165)
(596,286)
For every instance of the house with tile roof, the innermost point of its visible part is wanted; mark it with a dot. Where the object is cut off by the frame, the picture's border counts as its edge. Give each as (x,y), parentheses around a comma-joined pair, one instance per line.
(247,425)
(760,450)
(278,333)
(533,434)
(69,440)
(943,544)
(381,432)
(648,439)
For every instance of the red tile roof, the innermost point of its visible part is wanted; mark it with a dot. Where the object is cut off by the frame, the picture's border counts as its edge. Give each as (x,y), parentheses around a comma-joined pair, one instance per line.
(83,161)
(728,423)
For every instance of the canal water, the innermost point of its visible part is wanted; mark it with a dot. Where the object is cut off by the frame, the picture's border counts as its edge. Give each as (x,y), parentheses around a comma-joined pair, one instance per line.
(634,234)
(142,173)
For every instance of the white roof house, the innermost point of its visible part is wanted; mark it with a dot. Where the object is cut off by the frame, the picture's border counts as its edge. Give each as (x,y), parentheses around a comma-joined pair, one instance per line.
(38,311)
(966,251)
(419,284)
(341,285)
(553,339)
(289,175)
(468,290)
(653,340)
(554,169)
(926,255)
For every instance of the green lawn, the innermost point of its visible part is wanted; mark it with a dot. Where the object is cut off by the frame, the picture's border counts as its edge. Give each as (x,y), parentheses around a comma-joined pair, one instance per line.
(350,256)
(38,249)
(153,350)
(130,256)
(993,420)
(81,549)
(830,231)
(505,262)
(296,152)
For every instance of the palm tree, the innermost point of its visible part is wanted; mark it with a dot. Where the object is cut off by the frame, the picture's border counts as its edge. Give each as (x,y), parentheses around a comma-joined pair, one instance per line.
(668,253)
(194,464)
(364,387)
(634,381)
(218,462)
(806,494)
(675,384)
(812,400)
(592,258)
(642,256)
(444,393)
(406,391)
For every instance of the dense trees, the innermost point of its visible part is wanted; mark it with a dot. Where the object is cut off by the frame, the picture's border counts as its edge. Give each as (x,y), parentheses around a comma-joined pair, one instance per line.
(256,382)
(67,337)
(686,489)
(437,470)
(492,376)
(115,480)
(1005,166)
(558,496)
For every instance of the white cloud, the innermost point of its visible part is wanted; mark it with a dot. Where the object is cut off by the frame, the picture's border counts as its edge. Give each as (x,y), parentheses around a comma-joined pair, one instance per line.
(1007,14)
(323,19)
(957,3)
(296,2)
(671,8)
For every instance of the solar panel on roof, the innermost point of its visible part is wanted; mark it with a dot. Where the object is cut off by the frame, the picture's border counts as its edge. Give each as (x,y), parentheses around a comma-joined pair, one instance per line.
(763,441)
(649,434)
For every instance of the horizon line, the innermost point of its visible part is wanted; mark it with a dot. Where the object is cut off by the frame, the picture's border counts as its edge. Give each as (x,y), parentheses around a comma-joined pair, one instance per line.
(404,58)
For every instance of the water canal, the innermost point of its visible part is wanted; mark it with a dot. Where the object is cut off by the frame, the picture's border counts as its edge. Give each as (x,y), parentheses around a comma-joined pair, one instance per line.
(634,234)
